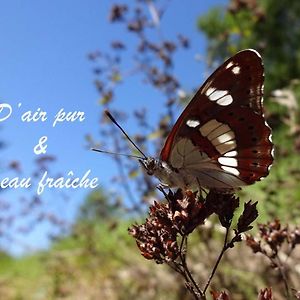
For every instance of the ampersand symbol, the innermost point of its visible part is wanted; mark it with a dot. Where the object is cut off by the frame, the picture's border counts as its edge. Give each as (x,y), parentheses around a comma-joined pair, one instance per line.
(40,147)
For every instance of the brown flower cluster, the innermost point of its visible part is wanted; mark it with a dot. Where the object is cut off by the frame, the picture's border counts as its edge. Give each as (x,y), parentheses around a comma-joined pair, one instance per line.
(219,295)
(272,240)
(157,237)
(117,12)
(264,294)
(180,215)
(224,205)
(250,213)
(272,237)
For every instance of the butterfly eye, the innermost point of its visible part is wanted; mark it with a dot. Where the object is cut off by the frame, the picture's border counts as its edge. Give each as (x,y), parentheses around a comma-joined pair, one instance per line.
(149,165)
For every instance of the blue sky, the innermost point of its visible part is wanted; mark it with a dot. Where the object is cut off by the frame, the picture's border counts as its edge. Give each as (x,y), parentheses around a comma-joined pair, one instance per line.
(43,59)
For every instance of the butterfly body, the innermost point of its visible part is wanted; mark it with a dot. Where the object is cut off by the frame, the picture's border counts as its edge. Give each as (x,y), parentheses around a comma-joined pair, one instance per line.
(168,176)
(191,178)
(221,140)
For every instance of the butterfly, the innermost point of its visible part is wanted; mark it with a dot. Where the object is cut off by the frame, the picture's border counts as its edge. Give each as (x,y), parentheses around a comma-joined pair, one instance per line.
(221,140)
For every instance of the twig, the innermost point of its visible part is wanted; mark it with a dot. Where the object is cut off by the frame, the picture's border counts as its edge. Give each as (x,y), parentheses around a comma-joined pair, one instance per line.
(225,247)
(187,272)
(281,268)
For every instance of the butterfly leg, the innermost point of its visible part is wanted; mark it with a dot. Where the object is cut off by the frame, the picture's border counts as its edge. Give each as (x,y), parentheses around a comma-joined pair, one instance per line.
(201,190)
(161,187)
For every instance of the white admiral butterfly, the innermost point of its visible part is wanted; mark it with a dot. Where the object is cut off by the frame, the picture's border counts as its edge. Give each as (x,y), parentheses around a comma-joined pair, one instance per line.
(221,140)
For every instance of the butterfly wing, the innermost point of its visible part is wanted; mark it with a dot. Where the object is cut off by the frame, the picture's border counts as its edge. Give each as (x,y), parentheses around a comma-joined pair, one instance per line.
(221,140)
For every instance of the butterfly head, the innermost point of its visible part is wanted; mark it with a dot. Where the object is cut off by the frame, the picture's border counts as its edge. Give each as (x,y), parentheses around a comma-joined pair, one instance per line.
(167,176)
(151,165)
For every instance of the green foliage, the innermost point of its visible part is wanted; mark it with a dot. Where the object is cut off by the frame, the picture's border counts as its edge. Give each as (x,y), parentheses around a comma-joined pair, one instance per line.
(5,260)
(22,277)
(270,26)
(94,262)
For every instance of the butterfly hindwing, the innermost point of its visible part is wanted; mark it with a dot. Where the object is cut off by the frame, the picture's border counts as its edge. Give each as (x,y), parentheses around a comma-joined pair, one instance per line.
(221,138)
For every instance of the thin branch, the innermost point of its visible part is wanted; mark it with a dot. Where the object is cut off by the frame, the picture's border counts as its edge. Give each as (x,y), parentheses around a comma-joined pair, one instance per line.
(225,247)
(179,269)
(186,269)
(281,268)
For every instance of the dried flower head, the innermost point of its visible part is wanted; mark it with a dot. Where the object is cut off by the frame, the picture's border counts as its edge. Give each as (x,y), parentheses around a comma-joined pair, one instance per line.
(224,205)
(249,214)
(117,12)
(219,295)
(186,212)
(157,237)
(273,234)
(272,241)
(265,294)
(253,244)
(297,294)
(294,237)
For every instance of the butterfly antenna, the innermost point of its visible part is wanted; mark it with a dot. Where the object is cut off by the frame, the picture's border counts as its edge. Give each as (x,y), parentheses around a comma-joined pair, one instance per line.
(123,131)
(114,153)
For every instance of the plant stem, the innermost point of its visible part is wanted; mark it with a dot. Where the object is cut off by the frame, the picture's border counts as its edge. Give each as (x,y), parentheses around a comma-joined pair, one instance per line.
(187,274)
(284,277)
(225,247)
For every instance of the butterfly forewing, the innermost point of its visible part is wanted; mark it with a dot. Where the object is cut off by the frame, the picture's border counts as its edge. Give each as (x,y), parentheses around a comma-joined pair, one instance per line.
(222,139)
